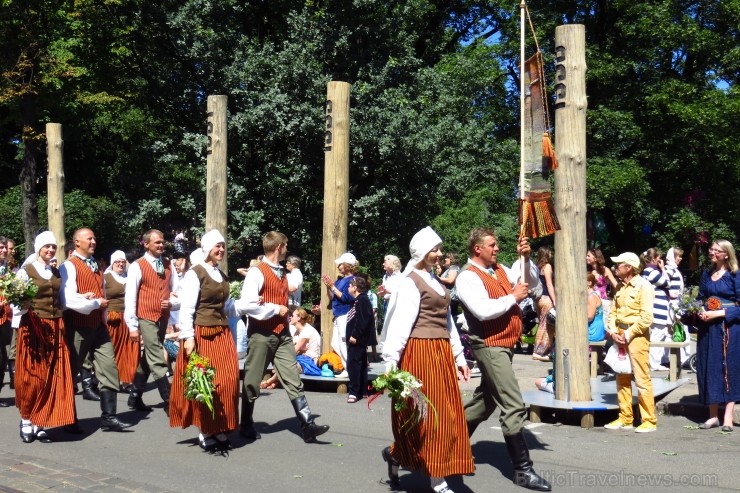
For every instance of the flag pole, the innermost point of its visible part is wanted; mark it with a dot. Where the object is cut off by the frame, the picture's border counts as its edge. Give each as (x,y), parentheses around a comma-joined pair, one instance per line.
(522,7)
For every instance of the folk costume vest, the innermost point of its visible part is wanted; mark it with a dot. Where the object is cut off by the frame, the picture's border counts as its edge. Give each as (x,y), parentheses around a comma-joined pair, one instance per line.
(87,282)
(46,304)
(152,290)
(115,292)
(503,331)
(274,290)
(209,312)
(432,320)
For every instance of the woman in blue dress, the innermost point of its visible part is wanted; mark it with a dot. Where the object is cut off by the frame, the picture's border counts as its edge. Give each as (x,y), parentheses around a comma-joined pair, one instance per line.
(718,342)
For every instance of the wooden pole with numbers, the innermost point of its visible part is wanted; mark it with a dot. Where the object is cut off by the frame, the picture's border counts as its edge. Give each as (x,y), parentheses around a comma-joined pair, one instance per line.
(336,193)
(572,373)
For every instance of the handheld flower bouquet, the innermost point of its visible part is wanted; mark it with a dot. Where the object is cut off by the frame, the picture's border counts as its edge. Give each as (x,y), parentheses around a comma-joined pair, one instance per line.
(688,304)
(235,289)
(405,389)
(17,291)
(199,380)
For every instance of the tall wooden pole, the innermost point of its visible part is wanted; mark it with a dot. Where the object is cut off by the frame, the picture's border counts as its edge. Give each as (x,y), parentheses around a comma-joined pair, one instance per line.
(55,186)
(570,207)
(336,192)
(216,180)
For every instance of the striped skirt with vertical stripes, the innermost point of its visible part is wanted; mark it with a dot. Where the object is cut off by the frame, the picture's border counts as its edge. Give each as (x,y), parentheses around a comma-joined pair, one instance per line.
(221,352)
(434,449)
(127,351)
(43,373)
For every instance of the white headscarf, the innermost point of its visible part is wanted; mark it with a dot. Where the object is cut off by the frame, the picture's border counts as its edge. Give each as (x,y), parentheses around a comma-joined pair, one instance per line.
(210,240)
(197,256)
(43,239)
(670,258)
(115,256)
(422,243)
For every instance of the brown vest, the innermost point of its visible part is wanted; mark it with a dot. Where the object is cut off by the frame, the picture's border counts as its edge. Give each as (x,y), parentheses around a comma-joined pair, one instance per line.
(152,290)
(431,323)
(46,304)
(115,292)
(209,312)
(274,290)
(87,282)
(503,331)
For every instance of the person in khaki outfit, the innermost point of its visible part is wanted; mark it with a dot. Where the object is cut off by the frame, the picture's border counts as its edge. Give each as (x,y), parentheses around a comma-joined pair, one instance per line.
(629,325)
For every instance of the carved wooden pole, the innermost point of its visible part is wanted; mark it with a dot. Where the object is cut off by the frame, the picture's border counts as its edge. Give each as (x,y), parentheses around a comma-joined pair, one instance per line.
(55,186)
(336,193)
(572,369)
(216,180)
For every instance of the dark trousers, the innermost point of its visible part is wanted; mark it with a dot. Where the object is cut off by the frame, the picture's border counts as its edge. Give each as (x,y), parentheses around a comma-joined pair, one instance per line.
(357,369)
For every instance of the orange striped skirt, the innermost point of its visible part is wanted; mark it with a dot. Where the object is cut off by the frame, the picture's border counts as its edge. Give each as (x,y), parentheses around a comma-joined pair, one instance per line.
(43,373)
(127,351)
(441,449)
(221,352)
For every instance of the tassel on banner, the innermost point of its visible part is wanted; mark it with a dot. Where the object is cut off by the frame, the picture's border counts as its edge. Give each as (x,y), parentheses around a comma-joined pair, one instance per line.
(538,218)
(548,151)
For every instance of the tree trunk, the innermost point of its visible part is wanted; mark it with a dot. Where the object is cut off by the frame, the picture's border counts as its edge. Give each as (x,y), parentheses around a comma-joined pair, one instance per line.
(29,198)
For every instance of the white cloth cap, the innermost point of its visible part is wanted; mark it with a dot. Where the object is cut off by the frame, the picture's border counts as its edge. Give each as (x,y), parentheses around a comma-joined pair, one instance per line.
(346,258)
(197,256)
(210,240)
(117,255)
(422,243)
(628,258)
(43,239)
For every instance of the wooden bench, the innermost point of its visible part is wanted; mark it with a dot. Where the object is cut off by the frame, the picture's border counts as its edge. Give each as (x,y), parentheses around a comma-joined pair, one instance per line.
(597,356)
(674,356)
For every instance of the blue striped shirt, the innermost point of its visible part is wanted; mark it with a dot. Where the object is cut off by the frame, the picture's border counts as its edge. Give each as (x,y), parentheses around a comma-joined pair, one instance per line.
(661,284)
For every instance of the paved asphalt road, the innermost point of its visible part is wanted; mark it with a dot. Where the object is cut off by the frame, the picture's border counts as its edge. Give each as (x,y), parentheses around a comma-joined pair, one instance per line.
(155,458)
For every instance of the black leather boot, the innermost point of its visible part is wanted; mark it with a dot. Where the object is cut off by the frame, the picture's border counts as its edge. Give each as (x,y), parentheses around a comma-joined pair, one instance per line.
(163,385)
(135,401)
(524,474)
(89,389)
(246,423)
(109,420)
(309,428)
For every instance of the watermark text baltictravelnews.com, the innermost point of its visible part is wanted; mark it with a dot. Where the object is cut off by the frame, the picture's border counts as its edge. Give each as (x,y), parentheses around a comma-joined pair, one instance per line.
(626,479)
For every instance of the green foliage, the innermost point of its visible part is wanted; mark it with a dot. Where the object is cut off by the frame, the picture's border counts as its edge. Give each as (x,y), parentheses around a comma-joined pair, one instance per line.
(434,116)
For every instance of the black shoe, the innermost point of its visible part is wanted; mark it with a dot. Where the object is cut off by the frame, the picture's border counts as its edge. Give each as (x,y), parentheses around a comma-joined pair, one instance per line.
(249,432)
(41,435)
(74,429)
(393,480)
(27,437)
(209,444)
(112,423)
(4,404)
(223,441)
(609,377)
(312,430)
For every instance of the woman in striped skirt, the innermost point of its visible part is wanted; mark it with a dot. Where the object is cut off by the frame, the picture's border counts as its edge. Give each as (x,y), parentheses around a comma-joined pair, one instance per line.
(127,350)
(43,390)
(422,339)
(204,327)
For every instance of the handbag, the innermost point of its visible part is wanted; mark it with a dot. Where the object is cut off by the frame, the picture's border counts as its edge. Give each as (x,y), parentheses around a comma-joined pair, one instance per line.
(677,329)
(619,359)
(679,333)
